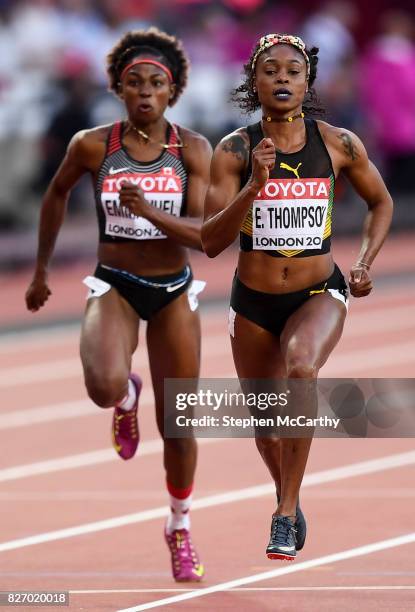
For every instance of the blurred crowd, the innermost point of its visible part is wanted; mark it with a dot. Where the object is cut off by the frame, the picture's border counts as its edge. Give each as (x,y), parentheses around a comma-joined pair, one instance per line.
(53,79)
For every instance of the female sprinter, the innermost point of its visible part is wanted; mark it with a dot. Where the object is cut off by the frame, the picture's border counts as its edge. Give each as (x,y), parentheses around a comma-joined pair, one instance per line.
(150,179)
(273,183)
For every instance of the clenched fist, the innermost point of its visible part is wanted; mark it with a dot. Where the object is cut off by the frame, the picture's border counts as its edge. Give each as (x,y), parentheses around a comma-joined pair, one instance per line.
(37,293)
(263,160)
(359,281)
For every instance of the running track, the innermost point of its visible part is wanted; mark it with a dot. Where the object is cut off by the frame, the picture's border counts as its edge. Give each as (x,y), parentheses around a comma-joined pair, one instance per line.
(74,517)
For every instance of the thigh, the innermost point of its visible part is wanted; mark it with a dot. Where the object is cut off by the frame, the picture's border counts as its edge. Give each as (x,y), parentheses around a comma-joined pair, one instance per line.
(173,342)
(313,330)
(256,351)
(257,355)
(109,334)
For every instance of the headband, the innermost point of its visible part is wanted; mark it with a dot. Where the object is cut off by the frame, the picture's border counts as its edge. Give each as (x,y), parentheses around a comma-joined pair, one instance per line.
(145,60)
(269,40)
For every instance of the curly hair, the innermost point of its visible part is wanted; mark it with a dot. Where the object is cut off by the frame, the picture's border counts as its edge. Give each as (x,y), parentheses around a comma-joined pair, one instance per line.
(247,99)
(155,42)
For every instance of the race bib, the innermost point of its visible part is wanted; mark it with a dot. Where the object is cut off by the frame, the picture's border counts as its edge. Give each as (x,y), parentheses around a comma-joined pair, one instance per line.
(290,214)
(162,190)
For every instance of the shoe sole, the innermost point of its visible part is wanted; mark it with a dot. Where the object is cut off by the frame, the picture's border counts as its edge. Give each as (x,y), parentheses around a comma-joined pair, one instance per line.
(280,556)
(196,579)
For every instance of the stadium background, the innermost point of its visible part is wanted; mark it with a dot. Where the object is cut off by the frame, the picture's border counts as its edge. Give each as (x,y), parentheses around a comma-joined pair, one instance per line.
(53,83)
(56,455)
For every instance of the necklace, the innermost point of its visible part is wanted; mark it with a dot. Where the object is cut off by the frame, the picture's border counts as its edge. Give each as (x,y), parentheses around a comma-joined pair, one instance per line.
(301,145)
(288,119)
(163,145)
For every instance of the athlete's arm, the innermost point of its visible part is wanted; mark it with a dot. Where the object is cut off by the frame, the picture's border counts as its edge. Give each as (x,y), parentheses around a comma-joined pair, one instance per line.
(185,230)
(368,183)
(79,158)
(226,203)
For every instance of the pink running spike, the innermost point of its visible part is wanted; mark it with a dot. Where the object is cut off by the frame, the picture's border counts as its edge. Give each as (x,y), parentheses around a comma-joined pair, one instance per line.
(125,432)
(185,561)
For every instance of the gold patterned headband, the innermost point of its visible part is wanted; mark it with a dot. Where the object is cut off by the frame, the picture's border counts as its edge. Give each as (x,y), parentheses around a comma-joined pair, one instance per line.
(269,40)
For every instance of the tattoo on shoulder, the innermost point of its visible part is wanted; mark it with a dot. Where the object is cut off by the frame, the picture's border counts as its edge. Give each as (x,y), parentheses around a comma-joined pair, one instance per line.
(238,146)
(348,146)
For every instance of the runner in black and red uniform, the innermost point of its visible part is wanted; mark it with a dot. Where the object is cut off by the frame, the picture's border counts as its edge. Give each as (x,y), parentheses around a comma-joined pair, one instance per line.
(273,183)
(150,179)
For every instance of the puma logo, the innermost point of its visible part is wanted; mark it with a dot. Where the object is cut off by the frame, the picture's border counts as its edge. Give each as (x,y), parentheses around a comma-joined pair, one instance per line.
(319,290)
(285,166)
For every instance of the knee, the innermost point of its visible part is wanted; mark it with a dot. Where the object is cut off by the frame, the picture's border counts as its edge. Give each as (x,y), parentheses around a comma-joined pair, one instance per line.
(106,390)
(267,445)
(301,366)
(301,358)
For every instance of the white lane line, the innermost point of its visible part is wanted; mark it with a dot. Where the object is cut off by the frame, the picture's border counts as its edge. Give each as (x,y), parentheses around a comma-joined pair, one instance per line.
(394,319)
(383,317)
(62,411)
(70,462)
(40,372)
(38,339)
(118,591)
(139,495)
(49,413)
(72,368)
(249,589)
(352,361)
(340,473)
(331,588)
(351,553)
(14,342)
(343,363)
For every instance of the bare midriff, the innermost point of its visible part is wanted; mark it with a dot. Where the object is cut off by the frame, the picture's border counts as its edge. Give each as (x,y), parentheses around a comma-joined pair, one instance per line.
(144,257)
(262,272)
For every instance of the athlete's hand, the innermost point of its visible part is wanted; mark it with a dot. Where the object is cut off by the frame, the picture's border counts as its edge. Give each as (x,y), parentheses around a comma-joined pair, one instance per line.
(360,281)
(132,197)
(38,293)
(263,160)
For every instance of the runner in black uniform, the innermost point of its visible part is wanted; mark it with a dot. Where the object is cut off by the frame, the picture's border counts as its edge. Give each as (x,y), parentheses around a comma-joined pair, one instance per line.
(150,179)
(274,184)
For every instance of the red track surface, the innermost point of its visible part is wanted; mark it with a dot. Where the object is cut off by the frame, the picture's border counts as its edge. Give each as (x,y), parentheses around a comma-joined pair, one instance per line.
(46,417)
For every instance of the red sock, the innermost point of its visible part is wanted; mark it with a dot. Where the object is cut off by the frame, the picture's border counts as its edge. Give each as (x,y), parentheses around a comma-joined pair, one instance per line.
(179,493)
